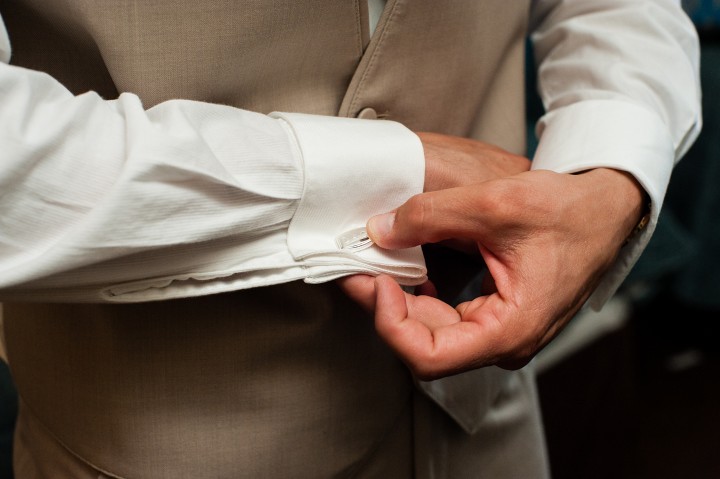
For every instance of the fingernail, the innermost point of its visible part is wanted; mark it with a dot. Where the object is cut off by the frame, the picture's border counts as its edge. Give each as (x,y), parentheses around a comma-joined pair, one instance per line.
(380,226)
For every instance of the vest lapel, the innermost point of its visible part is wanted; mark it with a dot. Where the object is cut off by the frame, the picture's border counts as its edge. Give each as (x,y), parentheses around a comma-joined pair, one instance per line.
(431,64)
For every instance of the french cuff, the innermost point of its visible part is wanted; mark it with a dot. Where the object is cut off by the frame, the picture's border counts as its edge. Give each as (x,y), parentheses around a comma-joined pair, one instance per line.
(353,169)
(610,134)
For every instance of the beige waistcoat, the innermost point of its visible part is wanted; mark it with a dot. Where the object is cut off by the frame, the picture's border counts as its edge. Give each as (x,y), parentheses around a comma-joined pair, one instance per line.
(285,378)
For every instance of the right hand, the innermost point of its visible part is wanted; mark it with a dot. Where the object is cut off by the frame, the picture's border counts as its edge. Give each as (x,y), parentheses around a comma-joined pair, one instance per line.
(453,161)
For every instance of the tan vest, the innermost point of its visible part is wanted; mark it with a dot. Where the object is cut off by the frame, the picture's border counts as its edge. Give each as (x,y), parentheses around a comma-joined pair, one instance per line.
(286,378)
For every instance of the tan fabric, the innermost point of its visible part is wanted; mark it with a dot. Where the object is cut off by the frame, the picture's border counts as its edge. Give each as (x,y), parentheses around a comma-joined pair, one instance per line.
(264,379)
(40,455)
(450,67)
(287,381)
(453,67)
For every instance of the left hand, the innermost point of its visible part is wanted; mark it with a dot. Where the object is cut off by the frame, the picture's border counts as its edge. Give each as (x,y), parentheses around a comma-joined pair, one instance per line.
(546,238)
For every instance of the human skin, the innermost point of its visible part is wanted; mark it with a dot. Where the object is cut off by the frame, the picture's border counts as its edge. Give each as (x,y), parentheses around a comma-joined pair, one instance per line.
(546,239)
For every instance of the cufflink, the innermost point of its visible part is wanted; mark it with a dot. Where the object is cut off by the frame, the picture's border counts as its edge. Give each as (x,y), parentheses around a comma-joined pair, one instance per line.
(354,240)
(642,223)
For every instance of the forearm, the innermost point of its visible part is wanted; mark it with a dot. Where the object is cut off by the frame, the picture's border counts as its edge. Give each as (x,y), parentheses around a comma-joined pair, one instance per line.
(106,201)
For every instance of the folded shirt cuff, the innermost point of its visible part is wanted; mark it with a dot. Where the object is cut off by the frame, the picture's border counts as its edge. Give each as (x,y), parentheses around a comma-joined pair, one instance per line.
(610,134)
(353,169)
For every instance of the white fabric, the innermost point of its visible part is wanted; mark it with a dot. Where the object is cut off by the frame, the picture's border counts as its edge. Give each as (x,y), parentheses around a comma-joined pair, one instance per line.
(320,218)
(106,201)
(620,82)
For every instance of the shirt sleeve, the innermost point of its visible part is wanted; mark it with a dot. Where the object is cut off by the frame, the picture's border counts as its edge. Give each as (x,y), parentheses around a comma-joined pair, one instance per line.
(620,84)
(104,200)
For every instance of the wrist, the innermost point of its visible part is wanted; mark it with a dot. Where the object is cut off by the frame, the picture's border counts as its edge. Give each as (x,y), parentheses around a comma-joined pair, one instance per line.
(625,197)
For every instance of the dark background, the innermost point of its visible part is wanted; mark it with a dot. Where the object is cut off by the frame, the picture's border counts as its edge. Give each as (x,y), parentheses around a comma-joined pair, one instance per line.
(641,401)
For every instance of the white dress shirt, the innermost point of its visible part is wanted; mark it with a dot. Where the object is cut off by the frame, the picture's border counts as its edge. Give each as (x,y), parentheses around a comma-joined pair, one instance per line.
(104,200)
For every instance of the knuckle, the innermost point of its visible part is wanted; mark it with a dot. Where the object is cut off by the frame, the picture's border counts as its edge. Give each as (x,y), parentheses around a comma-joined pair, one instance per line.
(522,355)
(425,372)
(518,352)
(419,218)
(424,367)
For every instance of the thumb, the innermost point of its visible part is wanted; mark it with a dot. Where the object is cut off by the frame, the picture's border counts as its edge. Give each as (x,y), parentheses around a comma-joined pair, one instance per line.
(380,230)
(424,218)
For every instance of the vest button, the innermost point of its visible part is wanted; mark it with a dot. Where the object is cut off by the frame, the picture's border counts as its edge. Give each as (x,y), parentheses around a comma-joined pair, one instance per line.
(367,114)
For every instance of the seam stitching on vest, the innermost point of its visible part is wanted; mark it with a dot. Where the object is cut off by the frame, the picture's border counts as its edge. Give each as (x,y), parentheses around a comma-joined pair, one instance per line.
(375,54)
(358,27)
(65,446)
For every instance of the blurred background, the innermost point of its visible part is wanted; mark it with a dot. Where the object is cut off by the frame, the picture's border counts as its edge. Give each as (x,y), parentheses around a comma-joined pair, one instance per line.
(629,392)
